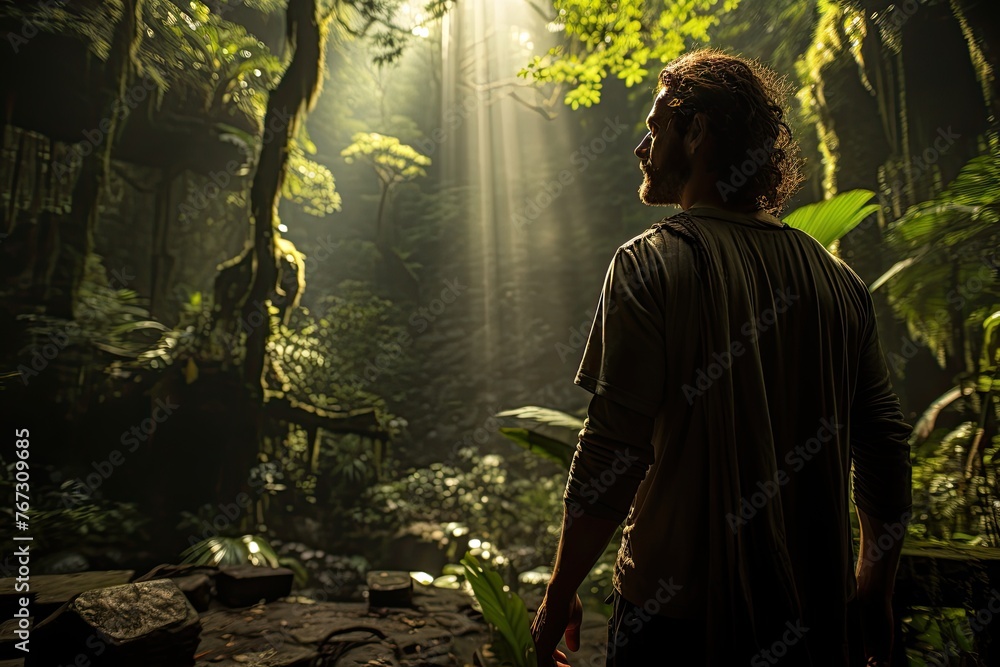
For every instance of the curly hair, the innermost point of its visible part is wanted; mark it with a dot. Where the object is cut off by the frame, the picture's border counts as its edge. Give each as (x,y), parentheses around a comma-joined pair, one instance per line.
(757,160)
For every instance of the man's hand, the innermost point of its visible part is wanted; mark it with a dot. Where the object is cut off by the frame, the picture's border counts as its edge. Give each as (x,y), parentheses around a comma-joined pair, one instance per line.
(881,546)
(555,616)
(877,626)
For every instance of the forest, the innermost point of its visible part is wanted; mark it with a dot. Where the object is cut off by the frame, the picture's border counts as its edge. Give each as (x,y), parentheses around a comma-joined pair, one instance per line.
(293,294)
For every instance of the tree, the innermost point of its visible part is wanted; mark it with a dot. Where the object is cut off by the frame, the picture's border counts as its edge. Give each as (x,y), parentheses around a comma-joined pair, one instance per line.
(622,38)
(393,162)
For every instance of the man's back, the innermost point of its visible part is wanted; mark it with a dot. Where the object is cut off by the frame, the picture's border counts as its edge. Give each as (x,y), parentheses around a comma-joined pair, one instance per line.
(763,339)
(737,377)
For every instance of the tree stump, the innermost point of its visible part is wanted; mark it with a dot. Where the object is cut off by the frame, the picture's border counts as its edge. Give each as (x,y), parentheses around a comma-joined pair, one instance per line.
(244,585)
(390,589)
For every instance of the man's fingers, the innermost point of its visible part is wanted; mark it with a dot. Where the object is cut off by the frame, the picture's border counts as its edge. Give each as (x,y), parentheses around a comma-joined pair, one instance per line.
(560,659)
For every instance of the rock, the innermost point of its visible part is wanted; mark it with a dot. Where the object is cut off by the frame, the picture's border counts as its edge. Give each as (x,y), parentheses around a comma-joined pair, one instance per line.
(244,585)
(197,582)
(51,591)
(148,623)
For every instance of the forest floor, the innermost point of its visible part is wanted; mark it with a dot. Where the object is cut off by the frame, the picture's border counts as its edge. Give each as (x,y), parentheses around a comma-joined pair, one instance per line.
(440,628)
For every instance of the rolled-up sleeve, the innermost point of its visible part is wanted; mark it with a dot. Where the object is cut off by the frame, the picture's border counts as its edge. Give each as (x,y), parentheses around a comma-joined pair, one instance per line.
(624,359)
(623,365)
(611,460)
(879,436)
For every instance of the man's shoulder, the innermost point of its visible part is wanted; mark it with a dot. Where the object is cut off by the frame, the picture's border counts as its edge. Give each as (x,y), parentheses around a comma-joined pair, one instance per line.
(662,239)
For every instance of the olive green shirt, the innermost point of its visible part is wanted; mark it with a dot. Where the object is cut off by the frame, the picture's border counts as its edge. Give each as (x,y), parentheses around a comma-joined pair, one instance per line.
(738,376)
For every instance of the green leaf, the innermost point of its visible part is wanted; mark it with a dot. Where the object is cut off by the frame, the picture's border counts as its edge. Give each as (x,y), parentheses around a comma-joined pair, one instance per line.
(504,611)
(544,446)
(545,416)
(219,551)
(893,270)
(831,219)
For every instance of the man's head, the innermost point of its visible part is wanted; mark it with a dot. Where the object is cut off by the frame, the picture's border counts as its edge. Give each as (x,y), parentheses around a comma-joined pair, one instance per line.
(717,135)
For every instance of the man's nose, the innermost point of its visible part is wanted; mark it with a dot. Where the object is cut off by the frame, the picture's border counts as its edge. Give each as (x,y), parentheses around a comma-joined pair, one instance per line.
(642,150)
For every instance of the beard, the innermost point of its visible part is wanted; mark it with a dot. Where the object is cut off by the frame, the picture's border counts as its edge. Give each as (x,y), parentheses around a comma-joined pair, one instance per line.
(663,186)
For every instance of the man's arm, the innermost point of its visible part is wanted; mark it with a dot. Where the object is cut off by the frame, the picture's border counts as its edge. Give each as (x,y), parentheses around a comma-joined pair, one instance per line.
(611,460)
(582,542)
(876,574)
(882,491)
(615,439)
(624,366)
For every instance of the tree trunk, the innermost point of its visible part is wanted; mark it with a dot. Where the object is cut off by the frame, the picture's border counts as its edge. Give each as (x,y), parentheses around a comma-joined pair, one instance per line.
(982,20)
(850,115)
(293,94)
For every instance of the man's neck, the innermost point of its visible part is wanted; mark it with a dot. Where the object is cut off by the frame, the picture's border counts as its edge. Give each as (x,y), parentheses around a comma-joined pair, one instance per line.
(712,210)
(702,190)
(751,209)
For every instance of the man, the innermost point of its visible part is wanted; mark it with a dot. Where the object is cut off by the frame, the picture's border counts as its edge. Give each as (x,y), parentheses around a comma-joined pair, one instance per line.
(737,375)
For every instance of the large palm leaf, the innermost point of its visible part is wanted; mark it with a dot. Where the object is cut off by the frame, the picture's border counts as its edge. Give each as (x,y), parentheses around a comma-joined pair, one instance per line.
(558,449)
(830,219)
(948,280)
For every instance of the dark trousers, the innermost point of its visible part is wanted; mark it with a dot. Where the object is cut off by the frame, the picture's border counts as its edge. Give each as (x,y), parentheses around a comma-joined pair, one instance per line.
(637,638)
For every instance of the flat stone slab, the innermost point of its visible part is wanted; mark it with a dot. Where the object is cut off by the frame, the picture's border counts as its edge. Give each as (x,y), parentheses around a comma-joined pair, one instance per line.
(51,591)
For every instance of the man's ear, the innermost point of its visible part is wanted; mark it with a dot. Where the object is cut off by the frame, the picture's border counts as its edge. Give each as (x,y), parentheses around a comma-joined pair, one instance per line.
(697,134)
